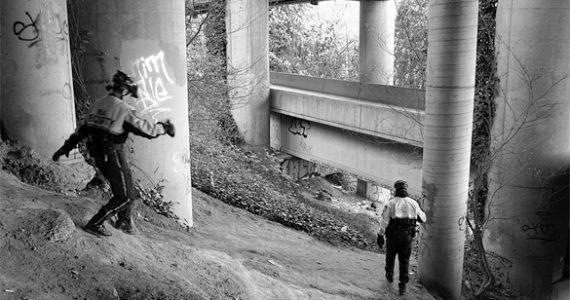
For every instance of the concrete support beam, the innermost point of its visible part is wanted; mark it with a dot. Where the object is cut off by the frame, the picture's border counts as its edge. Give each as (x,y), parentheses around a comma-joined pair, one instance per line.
(37,107)
(147,39)
(248,68)
(528,184)
(394,123)
(377,38)
(380,160)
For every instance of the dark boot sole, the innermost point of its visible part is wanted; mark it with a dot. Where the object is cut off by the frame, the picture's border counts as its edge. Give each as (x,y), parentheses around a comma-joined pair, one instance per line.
(94,232)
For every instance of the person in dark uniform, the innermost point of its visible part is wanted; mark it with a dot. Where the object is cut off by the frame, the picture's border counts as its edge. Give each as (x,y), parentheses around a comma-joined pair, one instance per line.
(108,124)
(398,224)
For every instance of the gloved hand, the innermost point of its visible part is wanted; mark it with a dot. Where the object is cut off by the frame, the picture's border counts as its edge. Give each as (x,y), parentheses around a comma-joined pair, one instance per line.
(168,127)
(59,153)
(380,240)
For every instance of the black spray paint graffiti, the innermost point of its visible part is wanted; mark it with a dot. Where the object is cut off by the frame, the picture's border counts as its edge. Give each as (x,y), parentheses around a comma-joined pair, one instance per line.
(461,222)
(62,31)
(29,31)
(66,91)
(305,146)
(540,228)
(300,127)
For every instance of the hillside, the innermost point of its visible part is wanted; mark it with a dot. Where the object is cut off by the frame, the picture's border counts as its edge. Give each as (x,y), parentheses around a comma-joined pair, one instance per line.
(228,254)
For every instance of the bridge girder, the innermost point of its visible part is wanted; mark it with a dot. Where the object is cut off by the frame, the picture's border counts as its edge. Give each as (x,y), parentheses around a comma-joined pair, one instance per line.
(202,6)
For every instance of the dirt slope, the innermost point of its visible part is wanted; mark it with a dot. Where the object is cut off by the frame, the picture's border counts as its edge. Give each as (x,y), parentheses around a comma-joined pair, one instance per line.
(229,254)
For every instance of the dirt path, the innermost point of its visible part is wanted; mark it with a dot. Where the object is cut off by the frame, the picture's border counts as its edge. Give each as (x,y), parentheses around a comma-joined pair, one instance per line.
(229,254)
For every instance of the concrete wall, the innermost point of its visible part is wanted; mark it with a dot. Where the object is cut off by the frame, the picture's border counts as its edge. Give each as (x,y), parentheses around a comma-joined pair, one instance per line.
(37,106)
(376,159)
(248,68)
(529,179)
(147,39)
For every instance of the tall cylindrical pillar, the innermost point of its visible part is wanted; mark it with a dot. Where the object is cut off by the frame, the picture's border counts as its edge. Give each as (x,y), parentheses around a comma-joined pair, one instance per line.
(528,183)
(37,87)
(147,40)
(1,68)
(248,68)
(452,39)
(377,36)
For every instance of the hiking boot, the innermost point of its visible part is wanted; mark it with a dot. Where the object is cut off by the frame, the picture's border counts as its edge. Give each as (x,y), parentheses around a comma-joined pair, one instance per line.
(97,229)
(402,288)
(126,227)
(390,278)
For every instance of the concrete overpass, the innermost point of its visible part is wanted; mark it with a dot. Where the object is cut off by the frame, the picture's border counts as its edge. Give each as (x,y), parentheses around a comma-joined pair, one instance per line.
(370,130)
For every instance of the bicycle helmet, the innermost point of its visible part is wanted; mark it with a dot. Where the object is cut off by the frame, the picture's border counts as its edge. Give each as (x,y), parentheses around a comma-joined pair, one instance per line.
(122,81)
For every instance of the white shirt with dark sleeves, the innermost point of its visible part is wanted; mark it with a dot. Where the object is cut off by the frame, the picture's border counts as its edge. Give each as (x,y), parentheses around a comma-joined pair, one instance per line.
(400,208)
(116,116)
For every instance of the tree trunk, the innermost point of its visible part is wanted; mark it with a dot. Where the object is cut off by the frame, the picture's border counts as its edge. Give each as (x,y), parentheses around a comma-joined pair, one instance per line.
(452,39)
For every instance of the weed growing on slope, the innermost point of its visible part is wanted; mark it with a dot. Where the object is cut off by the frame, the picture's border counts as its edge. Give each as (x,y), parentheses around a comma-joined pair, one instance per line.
(253,181)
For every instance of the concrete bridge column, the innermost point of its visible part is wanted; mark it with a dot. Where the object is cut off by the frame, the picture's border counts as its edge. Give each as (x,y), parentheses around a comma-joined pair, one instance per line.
(1,67)
(147,39)
(529,179)
(37,104)
(377,35)
(376,60)
(248,68)
(452,39)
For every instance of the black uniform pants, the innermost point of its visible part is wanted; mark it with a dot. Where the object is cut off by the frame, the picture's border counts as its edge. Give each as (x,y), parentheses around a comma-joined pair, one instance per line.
(399,243)
(111,161)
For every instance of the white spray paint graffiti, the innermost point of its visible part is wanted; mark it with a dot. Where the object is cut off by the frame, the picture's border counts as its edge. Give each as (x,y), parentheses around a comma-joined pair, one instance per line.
(180,160)
(152,76)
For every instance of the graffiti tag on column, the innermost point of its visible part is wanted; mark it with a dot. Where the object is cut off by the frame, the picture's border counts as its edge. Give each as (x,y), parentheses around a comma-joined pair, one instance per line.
(180,160)
(152,74)
(182,165)
(540,229)
(28,31)
(63,29)
(462,223)
(299,127)
(66,90)
(305,146)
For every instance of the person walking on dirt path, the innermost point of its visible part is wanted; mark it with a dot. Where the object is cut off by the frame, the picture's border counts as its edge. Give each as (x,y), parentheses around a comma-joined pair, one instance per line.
(398,223)
(108,124)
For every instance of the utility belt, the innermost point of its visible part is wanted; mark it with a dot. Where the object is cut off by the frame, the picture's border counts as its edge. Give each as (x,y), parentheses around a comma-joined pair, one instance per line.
(401,225)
